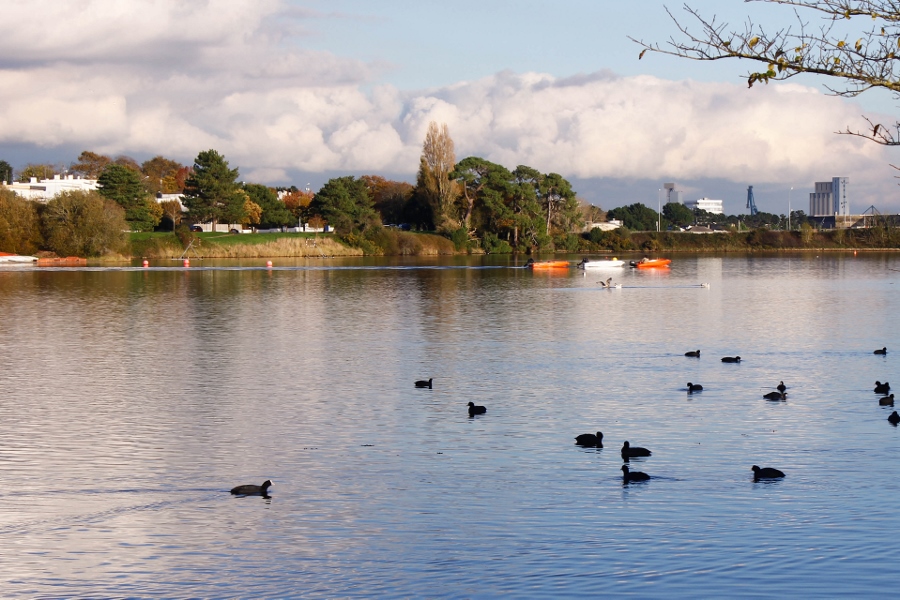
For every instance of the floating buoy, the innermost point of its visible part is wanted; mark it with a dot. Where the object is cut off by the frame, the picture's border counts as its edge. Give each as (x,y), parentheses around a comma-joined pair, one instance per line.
(268,264)
(187,262)
(146,263)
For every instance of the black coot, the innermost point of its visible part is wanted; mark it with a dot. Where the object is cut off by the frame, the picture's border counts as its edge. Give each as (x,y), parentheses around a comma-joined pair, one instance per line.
(252,490)
(766,473)
(589,439)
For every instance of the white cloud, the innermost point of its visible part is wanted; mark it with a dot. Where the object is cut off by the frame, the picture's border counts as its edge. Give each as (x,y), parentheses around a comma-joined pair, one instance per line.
(174,77)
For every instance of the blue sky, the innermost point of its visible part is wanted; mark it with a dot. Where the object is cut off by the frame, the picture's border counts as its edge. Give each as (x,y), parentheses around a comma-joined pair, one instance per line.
(295,92)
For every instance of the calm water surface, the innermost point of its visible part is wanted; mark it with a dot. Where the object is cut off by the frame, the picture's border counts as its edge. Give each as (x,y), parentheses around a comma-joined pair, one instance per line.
(132,400)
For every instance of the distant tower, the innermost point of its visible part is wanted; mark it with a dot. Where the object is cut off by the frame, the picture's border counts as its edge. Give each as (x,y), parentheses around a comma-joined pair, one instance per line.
(839,193)
(669,187)
(830,198)
(750,203)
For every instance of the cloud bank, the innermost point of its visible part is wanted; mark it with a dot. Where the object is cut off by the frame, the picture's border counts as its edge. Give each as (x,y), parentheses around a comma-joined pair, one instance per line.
(174,77)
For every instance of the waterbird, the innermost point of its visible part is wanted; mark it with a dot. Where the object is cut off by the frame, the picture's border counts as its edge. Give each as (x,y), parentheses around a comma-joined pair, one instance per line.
(694,387)
(882,351)
(629,452)
(894,418)
(628,476)
(882,388)
(886,401)
(606,283)
(476,410)
(589,439)
(424,384)
(704,285)
(252,490)
(765,473)
(731,359)
(775,396)
(781,387)
(693,353)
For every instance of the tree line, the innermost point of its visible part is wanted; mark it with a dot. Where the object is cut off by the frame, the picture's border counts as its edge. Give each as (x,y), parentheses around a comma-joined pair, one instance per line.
(639,217)
(476,203)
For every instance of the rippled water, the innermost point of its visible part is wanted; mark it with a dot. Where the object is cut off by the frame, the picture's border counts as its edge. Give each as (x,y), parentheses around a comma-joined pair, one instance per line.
(132,400)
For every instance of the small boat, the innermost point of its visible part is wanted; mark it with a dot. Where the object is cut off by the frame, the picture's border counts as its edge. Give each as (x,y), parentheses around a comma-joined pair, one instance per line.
(547,264)
(654,263)
(9,259)
(66,261)
(600,263)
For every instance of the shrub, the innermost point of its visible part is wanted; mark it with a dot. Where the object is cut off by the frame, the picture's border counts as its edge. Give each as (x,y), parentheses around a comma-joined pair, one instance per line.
(567,241)
(492,244)
(184,235)
(20,230)
(617,240)
(84,224)
(460,238)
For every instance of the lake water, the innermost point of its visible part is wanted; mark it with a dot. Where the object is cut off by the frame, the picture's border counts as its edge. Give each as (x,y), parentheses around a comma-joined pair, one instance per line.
(133,399)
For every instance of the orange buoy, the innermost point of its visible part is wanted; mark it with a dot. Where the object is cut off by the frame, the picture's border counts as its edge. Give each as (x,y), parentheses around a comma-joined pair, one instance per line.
(146,263)
(187,262)
(269,264)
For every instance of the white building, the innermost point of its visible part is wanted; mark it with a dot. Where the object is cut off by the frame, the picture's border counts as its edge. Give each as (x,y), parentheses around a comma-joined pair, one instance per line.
(160,197)
(830,198)
(711,206)
(603,225)
(45,189)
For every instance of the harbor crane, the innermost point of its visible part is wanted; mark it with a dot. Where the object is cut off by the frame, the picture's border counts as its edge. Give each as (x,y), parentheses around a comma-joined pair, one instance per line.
(750,202)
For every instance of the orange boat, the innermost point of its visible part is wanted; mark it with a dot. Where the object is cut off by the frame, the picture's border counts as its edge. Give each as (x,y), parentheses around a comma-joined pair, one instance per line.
(547,264)
(646,263)
(68,261)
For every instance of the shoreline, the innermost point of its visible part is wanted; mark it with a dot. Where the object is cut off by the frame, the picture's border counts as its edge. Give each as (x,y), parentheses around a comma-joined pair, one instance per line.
(158,246)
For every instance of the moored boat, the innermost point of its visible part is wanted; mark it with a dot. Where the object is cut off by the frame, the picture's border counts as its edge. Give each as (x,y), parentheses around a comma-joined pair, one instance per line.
(603,263)
(547,264)
(648,263)
(65,261)
(9,259)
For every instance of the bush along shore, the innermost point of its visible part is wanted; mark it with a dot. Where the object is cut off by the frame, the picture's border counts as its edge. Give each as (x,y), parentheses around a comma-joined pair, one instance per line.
(390,242)
(272,245)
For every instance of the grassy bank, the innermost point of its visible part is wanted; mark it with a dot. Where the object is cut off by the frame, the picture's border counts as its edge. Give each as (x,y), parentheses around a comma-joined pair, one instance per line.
(274,245)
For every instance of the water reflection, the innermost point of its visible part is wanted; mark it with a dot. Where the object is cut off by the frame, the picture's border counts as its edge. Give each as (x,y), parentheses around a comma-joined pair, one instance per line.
(133,400)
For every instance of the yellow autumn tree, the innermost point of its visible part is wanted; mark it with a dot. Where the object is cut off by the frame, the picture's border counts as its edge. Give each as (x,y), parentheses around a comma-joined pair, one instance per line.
(433,182)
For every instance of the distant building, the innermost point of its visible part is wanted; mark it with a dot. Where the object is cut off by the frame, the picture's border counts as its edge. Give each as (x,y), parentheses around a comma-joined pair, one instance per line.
(160,197)
(703,229)
(673,195)
(711,206)
(45,189)
(830,198)
(603,225)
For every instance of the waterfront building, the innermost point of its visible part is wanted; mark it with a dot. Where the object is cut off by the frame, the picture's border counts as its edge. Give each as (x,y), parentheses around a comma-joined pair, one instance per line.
(830,198)
(45,189)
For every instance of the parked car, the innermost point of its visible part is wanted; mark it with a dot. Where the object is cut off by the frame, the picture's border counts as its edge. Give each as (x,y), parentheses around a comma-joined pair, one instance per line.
(196,228)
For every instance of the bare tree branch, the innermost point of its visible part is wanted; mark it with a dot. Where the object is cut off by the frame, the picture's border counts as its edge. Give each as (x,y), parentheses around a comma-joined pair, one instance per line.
(868,59)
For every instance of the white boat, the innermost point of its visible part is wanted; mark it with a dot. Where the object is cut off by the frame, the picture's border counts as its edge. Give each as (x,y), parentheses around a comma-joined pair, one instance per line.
(10,260)
(600,263)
